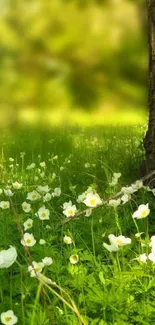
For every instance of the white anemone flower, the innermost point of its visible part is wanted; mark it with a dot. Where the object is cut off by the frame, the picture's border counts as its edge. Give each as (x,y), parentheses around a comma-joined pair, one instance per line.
(47,261)
(142,212)
(43,213)
(119,240)
(69,209)
(43,189)
(35,268)
(125,198)
(31,166)
(28,224)
(28,240)
(43,164)
(115,203)
(92,200)
(17,186)
(8,257)
(74,259)
(67,240)
(128,190)
(137,185)
(9,318)
(8,192)
(151,257)
(81,198)
(142,258)
(56,192)
(26,207)
(111,248)
(33,196)
(47,197)
(4,205)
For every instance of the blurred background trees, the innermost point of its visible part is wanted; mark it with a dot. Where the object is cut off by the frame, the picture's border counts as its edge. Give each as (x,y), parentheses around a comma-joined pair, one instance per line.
(65,55)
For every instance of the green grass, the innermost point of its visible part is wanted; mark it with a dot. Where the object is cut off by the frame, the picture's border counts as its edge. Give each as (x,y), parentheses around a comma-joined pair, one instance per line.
(107,288)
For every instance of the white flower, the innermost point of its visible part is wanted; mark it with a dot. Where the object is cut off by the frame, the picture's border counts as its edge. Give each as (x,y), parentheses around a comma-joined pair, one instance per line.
(43,213)
(114,181)
(128,190)
(69,209)
(125,198)
(5,204)
(142,212)
(74,259)
(137,185)
(32,166)
(17,185)
(43,164)
(57,192)
(111,248)
(9,318)
(151,257)
(28,240)
(8,257)
(26,207)
(42,241)
(87,165)
(47,261)
(11,159)
(119,240)
(47,197)
(81,198)
(43,189)
(35,268)
(67,240)
(142,258)
(28,224)
(33,196)
(115,203)
(8,192)
(92,200)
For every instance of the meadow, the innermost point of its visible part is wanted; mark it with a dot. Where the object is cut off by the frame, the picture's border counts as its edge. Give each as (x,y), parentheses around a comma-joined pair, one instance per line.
(97,269)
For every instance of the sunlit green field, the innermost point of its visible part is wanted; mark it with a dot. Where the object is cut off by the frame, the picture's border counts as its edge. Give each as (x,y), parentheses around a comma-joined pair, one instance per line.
(63,274)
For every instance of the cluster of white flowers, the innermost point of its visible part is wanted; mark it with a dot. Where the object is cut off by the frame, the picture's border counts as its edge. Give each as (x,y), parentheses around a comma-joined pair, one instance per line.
(36,267)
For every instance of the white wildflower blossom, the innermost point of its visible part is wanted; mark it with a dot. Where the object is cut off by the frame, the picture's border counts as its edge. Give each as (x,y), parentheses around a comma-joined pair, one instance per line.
(92,200)
(26,207)
(33,196)
(4,205)
(142,212)
(9,318)
(43,213)
(28,224)
(28,240)
(17,186)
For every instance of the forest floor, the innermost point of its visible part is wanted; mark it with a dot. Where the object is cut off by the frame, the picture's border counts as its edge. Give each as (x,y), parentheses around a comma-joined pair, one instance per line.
(75,273)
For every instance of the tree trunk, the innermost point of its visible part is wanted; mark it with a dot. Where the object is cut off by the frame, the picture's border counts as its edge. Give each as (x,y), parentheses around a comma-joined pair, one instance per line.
(149,141)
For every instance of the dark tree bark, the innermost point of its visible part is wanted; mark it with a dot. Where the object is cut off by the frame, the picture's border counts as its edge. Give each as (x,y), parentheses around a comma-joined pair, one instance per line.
(149,141)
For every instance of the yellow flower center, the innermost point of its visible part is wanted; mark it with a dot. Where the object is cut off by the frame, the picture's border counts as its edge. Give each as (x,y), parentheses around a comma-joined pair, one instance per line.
(43,215)
(144,213)
(92,201)
(118,241)
(5,205)
(70,211)
(33,196)
(7,319)
(28,241)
